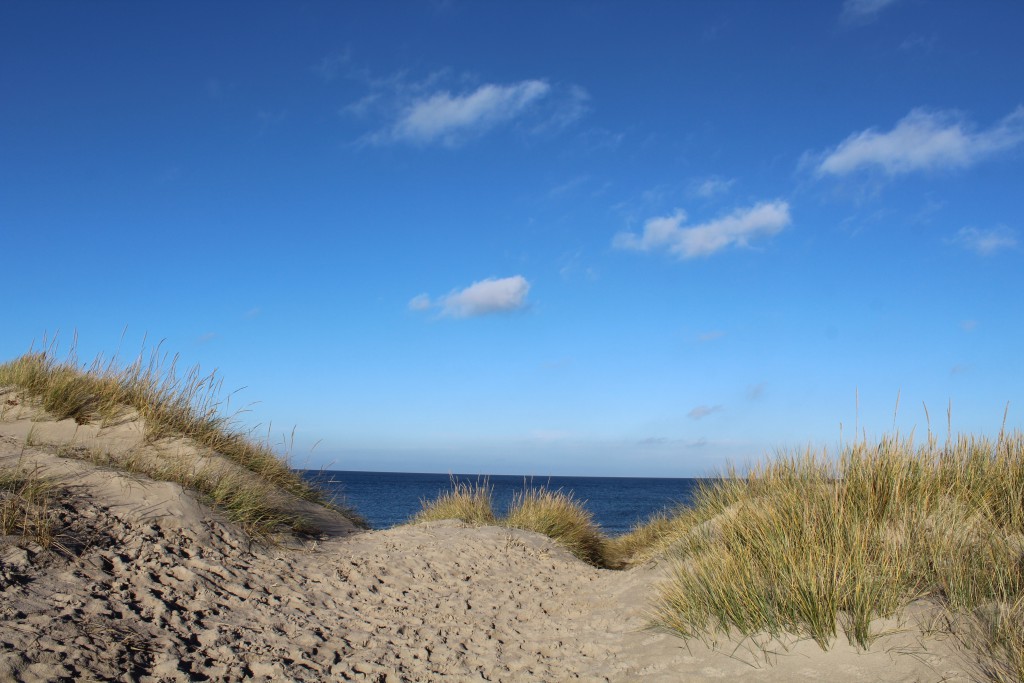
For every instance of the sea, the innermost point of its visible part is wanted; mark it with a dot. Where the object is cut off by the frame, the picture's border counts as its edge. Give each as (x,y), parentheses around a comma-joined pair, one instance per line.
(385,499)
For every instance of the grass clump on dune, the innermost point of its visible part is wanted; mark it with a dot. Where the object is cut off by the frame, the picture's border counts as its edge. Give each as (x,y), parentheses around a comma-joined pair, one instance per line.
(171,404)
(808,545)
(560,516)
(552,513)
(25,508)
(470,503)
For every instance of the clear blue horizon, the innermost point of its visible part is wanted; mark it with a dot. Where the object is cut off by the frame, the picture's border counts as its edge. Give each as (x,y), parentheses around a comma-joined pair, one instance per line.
(574,238)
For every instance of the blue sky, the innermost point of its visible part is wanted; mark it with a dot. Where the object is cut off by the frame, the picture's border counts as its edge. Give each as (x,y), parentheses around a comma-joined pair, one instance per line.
(530,237)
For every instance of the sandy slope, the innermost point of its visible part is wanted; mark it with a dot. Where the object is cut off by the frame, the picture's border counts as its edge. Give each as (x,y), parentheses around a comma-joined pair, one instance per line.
(158,587)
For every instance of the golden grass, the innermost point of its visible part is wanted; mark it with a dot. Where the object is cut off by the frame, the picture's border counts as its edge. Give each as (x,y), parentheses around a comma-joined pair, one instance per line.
(171,404)
(560,516)
(808,545)
(470,503)
(553,513)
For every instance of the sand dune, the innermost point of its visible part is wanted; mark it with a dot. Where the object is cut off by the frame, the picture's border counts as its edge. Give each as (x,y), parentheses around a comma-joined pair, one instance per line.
(155,586)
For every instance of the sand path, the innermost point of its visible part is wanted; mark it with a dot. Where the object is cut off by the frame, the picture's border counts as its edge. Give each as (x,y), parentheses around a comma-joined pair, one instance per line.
(157,587)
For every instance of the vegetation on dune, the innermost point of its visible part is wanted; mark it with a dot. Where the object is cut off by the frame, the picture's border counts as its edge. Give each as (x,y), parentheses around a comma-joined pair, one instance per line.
(25,508)
(560,516)
(171,405)
(470,503)
(809,545)
(552,513)
(816,546)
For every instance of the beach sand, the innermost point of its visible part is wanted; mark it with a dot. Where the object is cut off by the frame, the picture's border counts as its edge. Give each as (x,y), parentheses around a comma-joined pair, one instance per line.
(155,586)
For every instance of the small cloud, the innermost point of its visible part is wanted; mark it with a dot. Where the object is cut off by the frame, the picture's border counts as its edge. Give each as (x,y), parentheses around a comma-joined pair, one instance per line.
(711,187)
(710,336)
(420,302)
(737,228)
(699,443)
(863,11)
(923,141)
(703,411)
(756,392)
(492,295)
(968,325)
(208,337)
(653,441)
(985,242)
(448,118)
(253,312)
(959,369)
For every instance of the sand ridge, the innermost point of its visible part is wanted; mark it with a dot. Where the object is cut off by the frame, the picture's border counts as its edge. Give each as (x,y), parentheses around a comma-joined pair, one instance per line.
(159,587)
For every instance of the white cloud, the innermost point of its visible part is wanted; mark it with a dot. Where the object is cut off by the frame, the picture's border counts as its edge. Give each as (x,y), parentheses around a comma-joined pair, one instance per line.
(446,117)
(493,295)
(863,10)
(711,187)
(420,302)
(703,411)
(985,242)
(737,228)
(710,336)
(924,141)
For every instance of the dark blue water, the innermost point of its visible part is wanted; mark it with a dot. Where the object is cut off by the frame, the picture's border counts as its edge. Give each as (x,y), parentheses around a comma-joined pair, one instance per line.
(617,503)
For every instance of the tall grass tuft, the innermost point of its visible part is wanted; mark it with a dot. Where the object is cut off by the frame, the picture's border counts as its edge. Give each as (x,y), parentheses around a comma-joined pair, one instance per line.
(552,513)
(560,516)
(172,404)
(25,505)
(470,503)
(808,545)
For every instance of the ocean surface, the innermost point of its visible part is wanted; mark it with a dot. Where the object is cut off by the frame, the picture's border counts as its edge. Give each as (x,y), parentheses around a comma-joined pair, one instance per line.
(617,503)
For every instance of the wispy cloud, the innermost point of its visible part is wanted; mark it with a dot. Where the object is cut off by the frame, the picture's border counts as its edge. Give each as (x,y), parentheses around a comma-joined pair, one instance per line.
(449,118)
(924,141)
(703,411)
(985,242)
(711,187)
(420,302)
(493,295)
(968,325)
(736,229)
(756,392)
(863,11)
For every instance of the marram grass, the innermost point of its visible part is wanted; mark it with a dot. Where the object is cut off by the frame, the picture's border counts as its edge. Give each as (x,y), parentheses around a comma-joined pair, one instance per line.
(560,516)
(172,404)
(470,503)
(25,505)
(553,513)
(812,546)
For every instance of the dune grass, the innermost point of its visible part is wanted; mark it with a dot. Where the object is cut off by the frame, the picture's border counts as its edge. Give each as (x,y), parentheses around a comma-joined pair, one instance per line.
(560,516)
(25,508)
(172,404)
(553,513)
(468,502)
(810,545)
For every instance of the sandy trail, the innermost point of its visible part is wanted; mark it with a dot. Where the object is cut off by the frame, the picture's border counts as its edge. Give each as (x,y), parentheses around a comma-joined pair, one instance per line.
(157,587)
